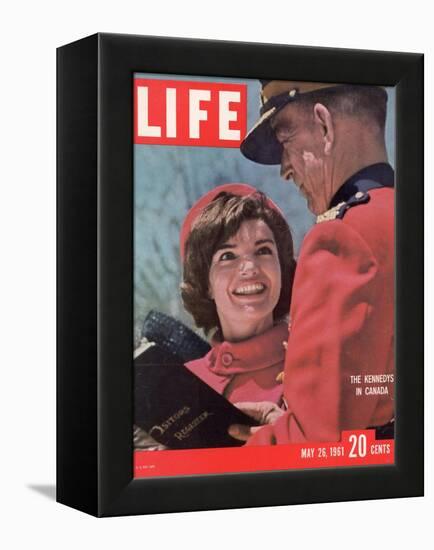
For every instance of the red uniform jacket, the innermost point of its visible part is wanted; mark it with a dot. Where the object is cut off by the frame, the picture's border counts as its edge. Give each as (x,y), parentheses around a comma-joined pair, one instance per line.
(342,326)
(248,370)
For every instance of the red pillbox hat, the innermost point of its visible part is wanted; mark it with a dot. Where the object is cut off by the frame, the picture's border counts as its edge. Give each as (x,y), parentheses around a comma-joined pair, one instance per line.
(240,189)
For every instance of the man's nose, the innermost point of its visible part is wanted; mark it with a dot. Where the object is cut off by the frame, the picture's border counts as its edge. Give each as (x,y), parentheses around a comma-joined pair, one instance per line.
(285,169)
(285,163)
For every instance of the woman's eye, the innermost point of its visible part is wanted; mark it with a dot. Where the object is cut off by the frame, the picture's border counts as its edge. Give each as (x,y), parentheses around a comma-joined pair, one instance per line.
(227,256)
(264,250)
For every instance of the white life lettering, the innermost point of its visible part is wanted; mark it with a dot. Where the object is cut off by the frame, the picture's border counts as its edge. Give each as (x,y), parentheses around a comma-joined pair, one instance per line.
(226,115)
(171,112)
(196,113)
(143,127)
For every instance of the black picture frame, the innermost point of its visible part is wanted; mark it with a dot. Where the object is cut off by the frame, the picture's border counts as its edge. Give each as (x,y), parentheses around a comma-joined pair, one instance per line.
(95,266)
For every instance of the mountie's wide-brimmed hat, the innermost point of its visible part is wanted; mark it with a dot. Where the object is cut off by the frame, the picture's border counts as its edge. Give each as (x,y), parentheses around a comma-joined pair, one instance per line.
(260,144)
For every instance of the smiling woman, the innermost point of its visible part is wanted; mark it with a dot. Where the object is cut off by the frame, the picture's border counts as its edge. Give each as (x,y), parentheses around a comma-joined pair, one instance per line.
(239,265)
(245,281)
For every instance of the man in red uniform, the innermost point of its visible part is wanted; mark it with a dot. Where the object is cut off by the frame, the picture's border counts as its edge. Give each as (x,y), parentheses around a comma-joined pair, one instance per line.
(339,367)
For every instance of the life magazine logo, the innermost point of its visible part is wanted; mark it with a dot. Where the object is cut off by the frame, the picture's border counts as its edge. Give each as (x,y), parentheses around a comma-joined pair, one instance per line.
(203,114)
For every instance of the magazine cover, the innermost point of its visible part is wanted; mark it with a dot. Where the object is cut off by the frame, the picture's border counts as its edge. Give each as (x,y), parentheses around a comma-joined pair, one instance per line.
(263,275)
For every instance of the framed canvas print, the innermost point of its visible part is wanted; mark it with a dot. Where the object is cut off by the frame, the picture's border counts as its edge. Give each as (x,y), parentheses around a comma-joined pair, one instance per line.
(240,303)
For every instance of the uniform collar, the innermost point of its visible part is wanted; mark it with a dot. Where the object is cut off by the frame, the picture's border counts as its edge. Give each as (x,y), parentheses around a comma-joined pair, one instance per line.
(370,177)
(259,352)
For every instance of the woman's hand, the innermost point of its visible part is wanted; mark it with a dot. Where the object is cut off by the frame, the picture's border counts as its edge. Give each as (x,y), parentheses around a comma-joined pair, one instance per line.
(264,412)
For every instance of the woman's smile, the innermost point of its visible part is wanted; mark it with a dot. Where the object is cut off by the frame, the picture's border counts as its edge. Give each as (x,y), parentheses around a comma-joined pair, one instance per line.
(250,289)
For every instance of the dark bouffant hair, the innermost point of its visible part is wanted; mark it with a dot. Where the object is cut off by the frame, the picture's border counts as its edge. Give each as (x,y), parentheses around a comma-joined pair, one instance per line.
(218,222)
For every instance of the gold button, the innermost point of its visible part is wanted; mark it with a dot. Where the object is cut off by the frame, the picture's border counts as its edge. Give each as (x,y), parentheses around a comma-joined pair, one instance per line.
(280,377)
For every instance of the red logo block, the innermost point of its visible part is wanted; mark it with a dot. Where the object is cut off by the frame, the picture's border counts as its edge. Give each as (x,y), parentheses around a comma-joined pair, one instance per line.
(204,114)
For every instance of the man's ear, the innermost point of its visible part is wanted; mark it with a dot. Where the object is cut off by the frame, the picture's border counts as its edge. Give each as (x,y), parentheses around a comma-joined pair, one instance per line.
(324,119)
